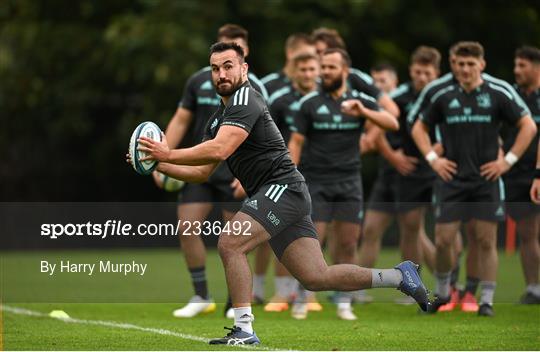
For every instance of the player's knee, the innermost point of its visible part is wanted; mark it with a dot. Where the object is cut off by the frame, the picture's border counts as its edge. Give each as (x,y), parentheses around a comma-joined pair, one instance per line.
(487,243)
(226,248)
(371,233)
(312,283)
(410,227)
(443,242)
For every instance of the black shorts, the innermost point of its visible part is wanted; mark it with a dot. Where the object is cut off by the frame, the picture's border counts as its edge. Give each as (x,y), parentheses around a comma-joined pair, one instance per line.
(414,192)
(518,198)
(383,195)
(217,194)
(465,200)
(342,201)
(284,212)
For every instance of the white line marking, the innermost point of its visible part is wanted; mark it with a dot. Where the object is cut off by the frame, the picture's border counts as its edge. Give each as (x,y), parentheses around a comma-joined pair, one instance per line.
(126,326)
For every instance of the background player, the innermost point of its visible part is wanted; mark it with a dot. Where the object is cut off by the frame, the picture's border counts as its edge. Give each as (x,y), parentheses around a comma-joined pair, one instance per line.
(469,113)
(518,180)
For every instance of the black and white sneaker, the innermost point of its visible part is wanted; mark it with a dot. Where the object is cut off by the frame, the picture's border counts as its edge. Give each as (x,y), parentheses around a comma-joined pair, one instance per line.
(486,310)
(237,337)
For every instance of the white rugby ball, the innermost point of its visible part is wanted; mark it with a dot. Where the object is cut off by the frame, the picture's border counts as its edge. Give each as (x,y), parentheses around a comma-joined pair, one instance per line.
(171,184)
(146,129)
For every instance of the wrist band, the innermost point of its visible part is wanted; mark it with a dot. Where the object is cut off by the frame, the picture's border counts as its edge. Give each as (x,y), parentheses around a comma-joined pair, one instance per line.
(510,158)
(537,172)
(431,156)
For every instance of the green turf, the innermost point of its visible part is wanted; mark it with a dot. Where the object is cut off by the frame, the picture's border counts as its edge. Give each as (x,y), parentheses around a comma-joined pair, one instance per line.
(381,326)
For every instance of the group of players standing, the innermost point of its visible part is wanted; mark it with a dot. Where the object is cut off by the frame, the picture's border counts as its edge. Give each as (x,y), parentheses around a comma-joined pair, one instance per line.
(447,151)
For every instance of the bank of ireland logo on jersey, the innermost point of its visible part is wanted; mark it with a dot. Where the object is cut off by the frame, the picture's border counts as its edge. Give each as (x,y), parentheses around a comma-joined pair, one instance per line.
(483,100)
(337,118)
(467,111)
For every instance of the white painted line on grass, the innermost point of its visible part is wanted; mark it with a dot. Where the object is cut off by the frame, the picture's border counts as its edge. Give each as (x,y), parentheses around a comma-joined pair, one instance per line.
(127,326)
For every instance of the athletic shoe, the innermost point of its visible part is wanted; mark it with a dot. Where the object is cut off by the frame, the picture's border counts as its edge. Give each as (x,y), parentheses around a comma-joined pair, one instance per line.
(346,314)
(529,298)
(196,305)
(299,311)
(405,300)
(486,310)
(237,337)
(468,303)
(230,313)
(412,284)
(312,304)
(452,304)
(276,304)
(437,303)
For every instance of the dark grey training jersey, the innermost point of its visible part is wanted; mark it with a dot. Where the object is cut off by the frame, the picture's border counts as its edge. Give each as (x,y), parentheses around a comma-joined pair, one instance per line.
(283,105)
(405,96)
(470,124)
(263,157)
(201,99)
(331,153)
(275,81)
(363,83)
(527,163)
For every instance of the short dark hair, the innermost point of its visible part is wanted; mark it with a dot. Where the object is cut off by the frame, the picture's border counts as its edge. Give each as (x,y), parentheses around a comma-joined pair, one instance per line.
(384,66)
(473,49)
(230,30)
(344,55)
(296,39)
(530,53)
(224,46)
(329,36)
(305,56)
(426,55)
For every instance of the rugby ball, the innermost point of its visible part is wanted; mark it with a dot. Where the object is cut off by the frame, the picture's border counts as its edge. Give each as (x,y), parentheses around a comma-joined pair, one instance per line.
(170,184)
(146,129)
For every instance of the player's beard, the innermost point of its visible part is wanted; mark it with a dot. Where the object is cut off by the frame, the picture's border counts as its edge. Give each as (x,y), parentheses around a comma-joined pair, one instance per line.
(333,85)
(227,91)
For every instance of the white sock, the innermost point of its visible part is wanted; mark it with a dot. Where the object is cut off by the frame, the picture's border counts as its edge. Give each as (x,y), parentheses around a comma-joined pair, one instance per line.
(385,278)
(281,286)
(301,294)
(344,305)
(243,319)
(258,286)
(487,291)
(534,289)
(345,298)
(292,285)
(443,284)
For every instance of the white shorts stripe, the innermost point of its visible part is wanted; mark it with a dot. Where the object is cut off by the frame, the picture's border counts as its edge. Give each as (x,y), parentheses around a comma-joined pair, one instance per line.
(276,190)
(269,190)
(280,193)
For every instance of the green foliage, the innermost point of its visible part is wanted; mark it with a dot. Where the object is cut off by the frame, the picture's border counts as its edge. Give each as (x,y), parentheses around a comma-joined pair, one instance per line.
(77,76)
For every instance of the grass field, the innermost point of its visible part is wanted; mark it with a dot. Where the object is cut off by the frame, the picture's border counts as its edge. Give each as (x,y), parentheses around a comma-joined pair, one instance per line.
(116,312)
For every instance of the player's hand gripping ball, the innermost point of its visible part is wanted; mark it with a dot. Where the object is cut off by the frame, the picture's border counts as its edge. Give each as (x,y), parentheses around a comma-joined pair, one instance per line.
(146,129)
